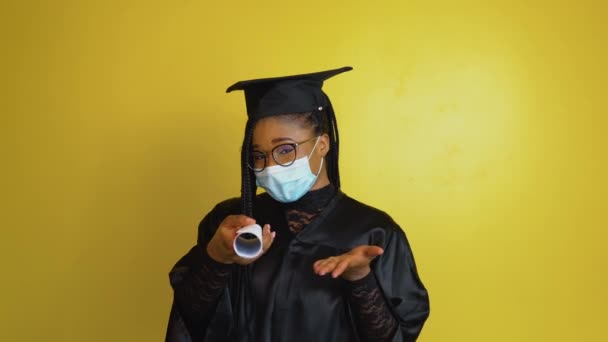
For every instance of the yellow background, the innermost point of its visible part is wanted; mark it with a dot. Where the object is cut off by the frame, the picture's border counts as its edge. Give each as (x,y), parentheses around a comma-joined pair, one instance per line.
(480,127)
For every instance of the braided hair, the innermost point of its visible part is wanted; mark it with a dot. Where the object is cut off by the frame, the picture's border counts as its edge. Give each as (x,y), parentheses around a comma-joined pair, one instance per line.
(322,121)
(248,186)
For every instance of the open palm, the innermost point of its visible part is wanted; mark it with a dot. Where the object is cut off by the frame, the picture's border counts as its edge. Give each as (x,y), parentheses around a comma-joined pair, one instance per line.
(351,266)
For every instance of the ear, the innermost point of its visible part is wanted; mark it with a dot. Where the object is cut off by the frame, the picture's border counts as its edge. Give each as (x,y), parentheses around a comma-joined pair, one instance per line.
(323,145)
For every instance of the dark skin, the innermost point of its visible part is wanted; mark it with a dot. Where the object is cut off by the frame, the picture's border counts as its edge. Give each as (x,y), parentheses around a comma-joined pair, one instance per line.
(268,133)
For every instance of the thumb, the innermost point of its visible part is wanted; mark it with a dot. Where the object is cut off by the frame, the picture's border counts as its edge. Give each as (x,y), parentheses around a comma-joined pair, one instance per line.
(373,251)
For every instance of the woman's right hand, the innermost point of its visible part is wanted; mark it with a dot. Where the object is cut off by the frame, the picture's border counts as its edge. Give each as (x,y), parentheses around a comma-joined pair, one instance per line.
(220,247)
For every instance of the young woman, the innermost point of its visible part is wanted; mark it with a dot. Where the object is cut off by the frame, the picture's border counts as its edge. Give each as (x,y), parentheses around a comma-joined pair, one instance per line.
(332,268)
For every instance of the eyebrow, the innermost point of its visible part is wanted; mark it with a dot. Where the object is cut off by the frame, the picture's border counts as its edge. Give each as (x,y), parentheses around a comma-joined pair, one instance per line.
(276,140)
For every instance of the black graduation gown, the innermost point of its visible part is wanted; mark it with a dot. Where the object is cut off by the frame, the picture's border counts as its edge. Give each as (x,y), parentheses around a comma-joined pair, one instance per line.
(279,298)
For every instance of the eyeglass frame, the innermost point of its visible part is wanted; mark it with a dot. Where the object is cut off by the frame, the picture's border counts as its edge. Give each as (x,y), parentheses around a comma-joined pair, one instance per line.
(295,147)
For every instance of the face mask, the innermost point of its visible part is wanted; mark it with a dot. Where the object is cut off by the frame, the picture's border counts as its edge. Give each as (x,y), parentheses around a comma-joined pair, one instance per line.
(288,183)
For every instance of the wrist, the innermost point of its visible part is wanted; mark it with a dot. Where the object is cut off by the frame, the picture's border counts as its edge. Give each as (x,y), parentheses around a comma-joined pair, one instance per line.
(356,275)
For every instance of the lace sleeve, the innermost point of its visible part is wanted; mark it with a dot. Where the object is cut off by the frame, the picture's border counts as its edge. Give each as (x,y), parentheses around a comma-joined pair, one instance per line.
(375,321)
(198,290)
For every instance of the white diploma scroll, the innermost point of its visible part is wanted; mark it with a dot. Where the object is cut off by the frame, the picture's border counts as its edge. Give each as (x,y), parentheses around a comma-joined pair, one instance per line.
(248,241)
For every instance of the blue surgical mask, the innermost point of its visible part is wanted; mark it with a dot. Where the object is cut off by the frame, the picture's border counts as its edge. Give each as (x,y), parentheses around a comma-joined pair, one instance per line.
(289,183)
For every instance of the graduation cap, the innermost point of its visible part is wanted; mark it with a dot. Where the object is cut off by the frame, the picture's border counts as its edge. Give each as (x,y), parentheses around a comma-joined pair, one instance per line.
(266,97)
(285,95)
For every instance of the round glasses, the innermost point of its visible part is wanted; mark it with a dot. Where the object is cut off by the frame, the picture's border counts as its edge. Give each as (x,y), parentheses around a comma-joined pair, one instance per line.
(284,155)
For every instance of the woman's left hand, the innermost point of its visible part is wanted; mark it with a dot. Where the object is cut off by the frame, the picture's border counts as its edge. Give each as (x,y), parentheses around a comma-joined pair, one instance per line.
(352,266)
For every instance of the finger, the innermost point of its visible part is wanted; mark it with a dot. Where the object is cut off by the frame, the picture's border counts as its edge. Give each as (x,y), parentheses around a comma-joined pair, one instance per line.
(237,221)
(340,268)
(317,265)
(328,266)
(267,237)
(373,251)
(320,264)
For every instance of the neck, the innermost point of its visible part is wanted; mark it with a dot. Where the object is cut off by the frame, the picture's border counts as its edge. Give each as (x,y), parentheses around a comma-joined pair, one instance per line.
(322,180)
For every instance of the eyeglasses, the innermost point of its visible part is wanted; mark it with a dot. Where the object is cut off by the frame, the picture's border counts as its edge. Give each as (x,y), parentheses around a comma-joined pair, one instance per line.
(284,155)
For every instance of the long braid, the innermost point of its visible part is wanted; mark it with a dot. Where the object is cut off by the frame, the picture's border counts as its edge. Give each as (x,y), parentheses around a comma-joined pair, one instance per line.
(334,171)
(242,305)
(248,186)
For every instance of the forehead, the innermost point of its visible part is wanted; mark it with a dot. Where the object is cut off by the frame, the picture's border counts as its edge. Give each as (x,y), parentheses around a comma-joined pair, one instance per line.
(282,126)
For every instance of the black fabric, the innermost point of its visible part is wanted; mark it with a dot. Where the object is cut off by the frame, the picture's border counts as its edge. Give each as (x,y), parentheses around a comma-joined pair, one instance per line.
(287,94)
(197,289)
(279,298)
(301,212)
(375,321)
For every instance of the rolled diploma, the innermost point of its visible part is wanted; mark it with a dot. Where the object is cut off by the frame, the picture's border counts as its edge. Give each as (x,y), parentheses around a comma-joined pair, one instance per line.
(248,241)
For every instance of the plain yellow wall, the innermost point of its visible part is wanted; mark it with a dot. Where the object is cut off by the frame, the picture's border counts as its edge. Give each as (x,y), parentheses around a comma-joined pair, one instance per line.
(480,127)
